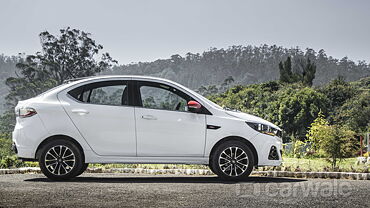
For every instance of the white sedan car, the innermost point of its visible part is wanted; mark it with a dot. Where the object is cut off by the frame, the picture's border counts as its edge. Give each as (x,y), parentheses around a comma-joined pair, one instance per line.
(136,119)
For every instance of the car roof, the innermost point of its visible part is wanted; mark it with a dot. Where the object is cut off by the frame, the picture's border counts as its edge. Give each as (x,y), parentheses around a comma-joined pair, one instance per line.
(73,82)
(132,77)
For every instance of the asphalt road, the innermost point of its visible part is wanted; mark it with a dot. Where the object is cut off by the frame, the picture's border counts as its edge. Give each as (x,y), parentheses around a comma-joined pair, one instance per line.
(138,190)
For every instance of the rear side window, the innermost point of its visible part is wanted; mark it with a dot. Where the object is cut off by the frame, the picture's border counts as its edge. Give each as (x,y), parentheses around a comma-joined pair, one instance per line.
(102,93)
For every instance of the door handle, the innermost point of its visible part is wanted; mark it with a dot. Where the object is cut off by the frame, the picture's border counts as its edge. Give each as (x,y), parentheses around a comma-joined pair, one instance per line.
(149,117)
(80,111)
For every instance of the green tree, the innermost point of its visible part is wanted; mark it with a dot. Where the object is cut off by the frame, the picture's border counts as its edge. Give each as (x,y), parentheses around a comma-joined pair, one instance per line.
(293,107)
(298,147)
(355,112)
(215,89)
(208,90)
(70,55)
(297,109)
(338,91)
(305,74)
(246,64)
(226,84)
(335,142)
(308,74)
(315,131)
(285,68)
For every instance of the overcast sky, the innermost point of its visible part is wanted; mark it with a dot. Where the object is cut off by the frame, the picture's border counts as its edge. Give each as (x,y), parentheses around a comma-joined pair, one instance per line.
(139,30)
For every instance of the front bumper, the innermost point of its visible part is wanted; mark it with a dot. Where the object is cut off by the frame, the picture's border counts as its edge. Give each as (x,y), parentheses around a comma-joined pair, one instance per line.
(269,150)
(273,154)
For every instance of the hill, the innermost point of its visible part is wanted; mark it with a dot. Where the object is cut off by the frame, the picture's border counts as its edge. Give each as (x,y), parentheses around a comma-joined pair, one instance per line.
(7,69)
(246,64)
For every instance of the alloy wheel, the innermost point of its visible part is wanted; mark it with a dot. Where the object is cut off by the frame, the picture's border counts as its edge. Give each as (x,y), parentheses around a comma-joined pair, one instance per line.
(60,160)
(233,161)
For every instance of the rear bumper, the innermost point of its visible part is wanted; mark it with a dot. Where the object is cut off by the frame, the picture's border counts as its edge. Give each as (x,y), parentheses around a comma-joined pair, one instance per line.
(23,152)
(14,148)
(26,136)
(27,159)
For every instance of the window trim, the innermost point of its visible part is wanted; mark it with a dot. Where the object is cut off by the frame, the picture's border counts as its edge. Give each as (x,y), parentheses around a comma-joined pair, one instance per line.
(83,86)
(138,101)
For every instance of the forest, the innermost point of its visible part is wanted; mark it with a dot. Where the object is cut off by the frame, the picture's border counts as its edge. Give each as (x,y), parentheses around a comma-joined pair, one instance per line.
(309,94)
(244,64)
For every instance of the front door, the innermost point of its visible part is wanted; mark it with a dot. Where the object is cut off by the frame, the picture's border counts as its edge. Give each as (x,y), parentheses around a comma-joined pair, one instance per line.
(164,126)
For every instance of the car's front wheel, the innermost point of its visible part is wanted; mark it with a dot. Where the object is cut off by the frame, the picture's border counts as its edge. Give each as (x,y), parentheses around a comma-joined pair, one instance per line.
(232,160)
(60,160)
(83,168)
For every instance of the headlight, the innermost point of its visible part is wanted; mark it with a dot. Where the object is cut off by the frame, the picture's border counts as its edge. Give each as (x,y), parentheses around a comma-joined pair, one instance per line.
(265,129)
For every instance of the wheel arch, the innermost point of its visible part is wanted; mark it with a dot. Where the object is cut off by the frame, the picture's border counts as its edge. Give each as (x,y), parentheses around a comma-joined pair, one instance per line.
(60,136)
(236,138)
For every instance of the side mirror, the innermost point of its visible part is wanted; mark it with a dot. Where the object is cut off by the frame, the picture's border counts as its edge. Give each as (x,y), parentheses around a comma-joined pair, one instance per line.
(194,106)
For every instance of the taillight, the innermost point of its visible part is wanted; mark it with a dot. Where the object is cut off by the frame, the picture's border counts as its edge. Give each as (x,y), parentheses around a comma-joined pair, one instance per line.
(26,112)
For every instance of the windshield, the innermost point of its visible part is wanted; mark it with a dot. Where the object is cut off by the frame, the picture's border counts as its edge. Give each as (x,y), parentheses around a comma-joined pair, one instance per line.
(214,104)
(206,100)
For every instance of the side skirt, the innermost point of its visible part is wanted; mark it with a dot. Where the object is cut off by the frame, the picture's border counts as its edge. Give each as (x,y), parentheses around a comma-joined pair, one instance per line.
(148,160)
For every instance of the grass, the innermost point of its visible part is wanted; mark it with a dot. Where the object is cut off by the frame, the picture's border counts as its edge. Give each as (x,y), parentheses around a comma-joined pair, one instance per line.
(319,164)
(150,166)
(289,164)
(144,166)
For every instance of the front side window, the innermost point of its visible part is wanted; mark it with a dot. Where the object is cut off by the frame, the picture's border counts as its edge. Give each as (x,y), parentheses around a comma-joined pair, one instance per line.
(102,93)
(163,97)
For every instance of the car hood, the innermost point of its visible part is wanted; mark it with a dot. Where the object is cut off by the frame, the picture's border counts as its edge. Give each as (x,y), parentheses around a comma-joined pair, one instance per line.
(250,118)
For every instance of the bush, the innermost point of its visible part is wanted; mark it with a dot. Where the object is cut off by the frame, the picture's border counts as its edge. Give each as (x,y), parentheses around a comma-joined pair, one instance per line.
(10,162)
(333,142)
(298,148)
(7,158)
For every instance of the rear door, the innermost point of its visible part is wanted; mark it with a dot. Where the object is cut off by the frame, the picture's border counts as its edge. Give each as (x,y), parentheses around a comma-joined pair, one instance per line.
(103,116)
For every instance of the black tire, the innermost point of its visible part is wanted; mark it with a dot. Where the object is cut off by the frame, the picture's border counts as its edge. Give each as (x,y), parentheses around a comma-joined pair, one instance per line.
(240,163)
(211,167)
(61,160)
(84,167)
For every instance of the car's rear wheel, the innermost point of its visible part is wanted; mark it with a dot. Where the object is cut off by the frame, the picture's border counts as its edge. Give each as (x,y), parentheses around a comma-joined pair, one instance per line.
(61,160)
(232,160)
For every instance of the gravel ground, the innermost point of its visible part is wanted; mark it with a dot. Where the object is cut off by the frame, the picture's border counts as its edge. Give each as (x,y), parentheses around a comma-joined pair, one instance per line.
(140,190)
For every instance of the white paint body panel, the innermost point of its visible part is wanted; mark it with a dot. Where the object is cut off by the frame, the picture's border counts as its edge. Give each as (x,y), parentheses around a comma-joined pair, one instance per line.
(110,130)
(119,134)
(170,133)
